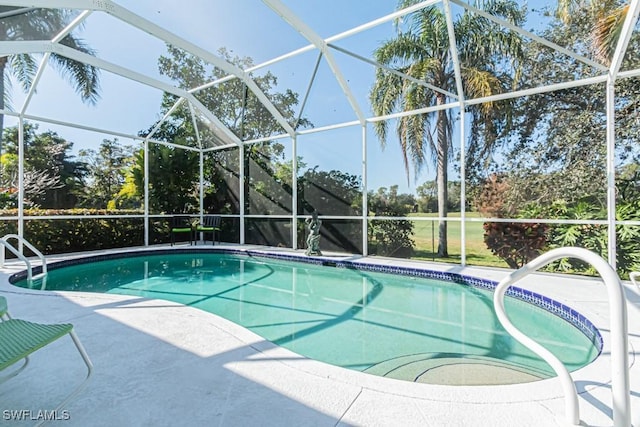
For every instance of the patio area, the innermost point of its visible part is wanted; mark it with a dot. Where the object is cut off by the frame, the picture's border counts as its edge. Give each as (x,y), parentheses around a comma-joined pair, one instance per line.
(160,363)
(444,130)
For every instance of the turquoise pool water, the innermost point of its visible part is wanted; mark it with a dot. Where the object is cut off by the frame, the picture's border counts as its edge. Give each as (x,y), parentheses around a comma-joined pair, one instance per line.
(376,322)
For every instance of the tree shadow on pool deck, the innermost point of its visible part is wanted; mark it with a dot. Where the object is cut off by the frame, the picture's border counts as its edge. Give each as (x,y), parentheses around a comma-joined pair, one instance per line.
(161,365)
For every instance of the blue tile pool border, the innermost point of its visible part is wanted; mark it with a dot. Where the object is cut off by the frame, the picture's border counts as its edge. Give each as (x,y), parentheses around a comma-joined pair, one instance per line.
(561,310)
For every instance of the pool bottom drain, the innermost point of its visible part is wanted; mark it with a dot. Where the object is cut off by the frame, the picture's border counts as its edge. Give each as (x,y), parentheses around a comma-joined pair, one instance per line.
(455,369)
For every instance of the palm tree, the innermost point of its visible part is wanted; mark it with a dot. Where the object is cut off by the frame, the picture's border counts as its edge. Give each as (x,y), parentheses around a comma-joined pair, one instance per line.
(23,23)
(608,17)
(488,54)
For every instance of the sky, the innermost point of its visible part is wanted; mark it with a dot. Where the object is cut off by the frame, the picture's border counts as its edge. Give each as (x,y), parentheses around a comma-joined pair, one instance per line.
(247,28)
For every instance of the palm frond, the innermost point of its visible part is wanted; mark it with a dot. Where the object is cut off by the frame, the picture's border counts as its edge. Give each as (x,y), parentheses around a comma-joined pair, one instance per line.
(400,51)
(44,24)
(606,32)
(24,68)
(428,70)
(84,77)
(7,100)
(484,44)
(402,130)
(480,83)
(385,97)
(38,24)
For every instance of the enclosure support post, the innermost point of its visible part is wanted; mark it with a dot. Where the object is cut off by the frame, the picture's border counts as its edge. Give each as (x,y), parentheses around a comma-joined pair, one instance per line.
(629,24)
(611,173)
(146,192)
(20,179)
(241,183)
(463,199)
(294,191)
(201,162)
(201,189)
(365,203)
(460,91)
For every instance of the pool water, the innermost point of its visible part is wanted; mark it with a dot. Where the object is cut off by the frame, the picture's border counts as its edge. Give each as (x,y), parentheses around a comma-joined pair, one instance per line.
(404,327)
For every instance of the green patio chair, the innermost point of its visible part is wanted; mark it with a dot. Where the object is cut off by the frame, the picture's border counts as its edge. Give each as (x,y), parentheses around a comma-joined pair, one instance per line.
(210,224)
(4,315)
(4,310)
(180,224)
(19,338)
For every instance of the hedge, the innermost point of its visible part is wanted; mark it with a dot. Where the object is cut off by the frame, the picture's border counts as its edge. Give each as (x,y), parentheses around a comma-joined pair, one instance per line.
(56,236)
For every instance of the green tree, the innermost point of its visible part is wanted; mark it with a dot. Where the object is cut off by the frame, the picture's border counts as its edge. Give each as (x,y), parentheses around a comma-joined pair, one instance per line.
(107,169)
(427,199)
(407,201)
(222,181)
(486,52)
(241,111)
(236,106)
(173,178)
(266,191)
(128,197)
(331,193)
(26,23)
(391,237)
(52,179)
(558,152)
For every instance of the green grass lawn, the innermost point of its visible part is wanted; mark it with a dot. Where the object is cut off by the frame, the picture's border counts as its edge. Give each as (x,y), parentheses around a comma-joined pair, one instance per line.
(476,251)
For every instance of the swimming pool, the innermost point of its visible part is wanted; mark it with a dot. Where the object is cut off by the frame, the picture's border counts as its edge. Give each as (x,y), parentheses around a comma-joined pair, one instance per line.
(407,326)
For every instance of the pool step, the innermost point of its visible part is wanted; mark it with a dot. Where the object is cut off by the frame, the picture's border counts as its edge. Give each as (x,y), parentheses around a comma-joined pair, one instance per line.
(454,369)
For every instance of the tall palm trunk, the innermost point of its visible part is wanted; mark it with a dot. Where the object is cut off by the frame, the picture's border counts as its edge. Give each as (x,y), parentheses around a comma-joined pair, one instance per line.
(441,171)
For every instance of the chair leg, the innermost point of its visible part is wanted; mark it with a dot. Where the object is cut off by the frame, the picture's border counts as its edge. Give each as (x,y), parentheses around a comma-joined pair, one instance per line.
(4,378)
(77,390)
(16,372)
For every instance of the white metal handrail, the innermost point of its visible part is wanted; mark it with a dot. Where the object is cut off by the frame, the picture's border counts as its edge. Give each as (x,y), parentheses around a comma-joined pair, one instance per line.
(621,401)
(18,253)
(633,276)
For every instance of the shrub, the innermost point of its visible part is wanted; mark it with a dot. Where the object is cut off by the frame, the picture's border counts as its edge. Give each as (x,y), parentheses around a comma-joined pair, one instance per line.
(61,235)
(516,243)
(390,237)
(594,236)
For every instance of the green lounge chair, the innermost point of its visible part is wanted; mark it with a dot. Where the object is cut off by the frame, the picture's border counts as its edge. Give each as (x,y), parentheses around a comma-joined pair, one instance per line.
(181,224)
(210,224)
(4,310)
(19,338)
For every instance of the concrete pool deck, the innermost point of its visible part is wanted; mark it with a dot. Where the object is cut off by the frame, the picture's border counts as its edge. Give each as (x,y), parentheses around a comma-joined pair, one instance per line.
(159,363)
